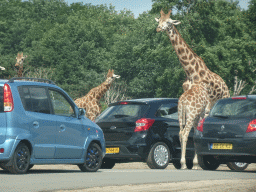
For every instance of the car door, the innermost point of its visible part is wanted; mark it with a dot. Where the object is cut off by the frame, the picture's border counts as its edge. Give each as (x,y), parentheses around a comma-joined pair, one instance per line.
(41,122)
(169,113)
(71,134)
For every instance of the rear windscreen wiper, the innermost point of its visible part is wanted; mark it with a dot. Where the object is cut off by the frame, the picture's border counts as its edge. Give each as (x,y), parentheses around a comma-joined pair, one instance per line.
(221,116)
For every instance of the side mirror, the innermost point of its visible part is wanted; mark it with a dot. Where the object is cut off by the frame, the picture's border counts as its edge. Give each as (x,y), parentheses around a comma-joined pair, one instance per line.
(81,112)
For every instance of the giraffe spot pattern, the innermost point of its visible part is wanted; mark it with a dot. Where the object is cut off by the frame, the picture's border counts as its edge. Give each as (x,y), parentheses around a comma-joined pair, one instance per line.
(202,73)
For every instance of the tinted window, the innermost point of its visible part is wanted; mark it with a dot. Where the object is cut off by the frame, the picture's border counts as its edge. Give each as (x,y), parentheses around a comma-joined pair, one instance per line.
(34,99)
(234,107)
(119,111)
(1,99)
(61,106)
(168,111)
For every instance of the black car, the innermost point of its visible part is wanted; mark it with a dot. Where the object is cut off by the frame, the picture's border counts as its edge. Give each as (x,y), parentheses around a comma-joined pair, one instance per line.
(228,134)
(143,130)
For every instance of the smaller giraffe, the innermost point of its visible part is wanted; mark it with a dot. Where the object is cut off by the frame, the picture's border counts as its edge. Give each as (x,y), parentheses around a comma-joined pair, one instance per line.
(91,101)
(192,106)
(20,59)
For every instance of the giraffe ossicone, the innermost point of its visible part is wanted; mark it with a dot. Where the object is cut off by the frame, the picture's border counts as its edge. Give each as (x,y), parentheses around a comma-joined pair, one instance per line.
(91,101)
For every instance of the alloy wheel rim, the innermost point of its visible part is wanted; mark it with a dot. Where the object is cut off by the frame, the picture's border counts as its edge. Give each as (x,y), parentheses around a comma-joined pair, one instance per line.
(161,155)
(240,164)
(92,158)
(22,159)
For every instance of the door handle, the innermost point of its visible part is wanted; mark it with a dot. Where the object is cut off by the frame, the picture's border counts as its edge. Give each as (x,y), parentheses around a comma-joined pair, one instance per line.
(35,124)
(62,128)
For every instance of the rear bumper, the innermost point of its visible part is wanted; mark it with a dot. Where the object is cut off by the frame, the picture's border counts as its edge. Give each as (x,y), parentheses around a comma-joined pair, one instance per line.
(8,147)
(243,149)
(127,152)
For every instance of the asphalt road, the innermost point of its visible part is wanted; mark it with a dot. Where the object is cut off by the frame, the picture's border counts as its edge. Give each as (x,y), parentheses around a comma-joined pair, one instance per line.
(73,179)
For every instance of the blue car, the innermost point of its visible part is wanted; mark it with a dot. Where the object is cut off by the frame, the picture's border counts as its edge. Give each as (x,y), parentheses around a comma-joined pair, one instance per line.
(40,124)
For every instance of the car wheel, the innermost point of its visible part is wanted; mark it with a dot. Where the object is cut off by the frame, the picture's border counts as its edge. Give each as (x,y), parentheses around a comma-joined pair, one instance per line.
(237,166)
(21,160)
(176,164)
(107,164)
(30,166)
(207,162)
(93,159)
(159,156)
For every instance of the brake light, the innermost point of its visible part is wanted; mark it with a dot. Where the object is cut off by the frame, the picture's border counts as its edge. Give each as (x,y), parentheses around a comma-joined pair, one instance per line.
(143,124)
(8,100)
(200,125)
(1,150)
(123,103)
(238,97)
(252,126)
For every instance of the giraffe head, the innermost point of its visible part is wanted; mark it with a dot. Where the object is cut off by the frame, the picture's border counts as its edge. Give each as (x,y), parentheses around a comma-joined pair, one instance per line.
(165,23)
(20,59)
(111,76)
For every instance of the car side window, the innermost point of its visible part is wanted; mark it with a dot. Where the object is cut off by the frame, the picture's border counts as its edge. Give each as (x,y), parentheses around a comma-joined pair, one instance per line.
(61,105)
(168,111)
(34,99)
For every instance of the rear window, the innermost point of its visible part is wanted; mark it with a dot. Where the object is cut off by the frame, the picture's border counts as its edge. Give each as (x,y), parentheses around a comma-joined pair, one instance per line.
(34,99)
(1,99)
(121,111)
(234,108)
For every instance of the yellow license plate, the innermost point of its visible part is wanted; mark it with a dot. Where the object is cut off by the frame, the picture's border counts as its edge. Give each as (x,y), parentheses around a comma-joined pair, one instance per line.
(112,150)
(222,146)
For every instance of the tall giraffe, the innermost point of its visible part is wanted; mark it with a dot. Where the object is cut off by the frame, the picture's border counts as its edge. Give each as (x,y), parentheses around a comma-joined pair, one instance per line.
(191,107)
(207,87)
(193,65)
(20,59)
(91,101)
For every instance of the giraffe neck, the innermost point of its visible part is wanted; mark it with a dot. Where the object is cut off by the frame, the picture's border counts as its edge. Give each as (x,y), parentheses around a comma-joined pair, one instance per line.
(20,70)
(190,61)
(101,90)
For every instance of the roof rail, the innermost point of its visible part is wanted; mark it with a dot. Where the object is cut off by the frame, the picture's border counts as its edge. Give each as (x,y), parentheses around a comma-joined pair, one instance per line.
(31,79)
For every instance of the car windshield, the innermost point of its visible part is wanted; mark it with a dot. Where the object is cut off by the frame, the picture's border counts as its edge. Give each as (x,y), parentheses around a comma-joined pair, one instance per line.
(234,108)
(1,99)
(120,111)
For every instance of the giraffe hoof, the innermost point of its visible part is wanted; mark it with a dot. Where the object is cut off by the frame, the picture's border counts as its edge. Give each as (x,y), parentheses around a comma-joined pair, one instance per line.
(195,168)
(183,167)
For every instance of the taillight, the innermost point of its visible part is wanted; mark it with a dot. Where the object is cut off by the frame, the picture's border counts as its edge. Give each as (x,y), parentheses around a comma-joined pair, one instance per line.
(200,125)
(243,97)
(123,103)
(143,124)
(8,100)
(252,126)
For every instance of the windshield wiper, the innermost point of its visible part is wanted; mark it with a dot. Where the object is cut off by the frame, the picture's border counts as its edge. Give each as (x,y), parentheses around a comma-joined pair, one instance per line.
(221,116)
(118,116)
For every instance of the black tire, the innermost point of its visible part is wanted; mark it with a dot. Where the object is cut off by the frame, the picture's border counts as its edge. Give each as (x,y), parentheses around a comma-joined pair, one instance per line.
(21,160)
(159,156)
(93,159)
(189,163)
(237,166)
(207,162)
(2,166)
(30,166)
(107,164)
(176,164)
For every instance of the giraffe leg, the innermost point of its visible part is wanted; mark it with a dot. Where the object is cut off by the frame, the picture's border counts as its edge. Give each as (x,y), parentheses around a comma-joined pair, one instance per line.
(195,162)
(183,152)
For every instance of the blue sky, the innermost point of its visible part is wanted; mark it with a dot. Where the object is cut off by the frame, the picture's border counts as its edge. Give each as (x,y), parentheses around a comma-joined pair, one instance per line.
(135,6)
